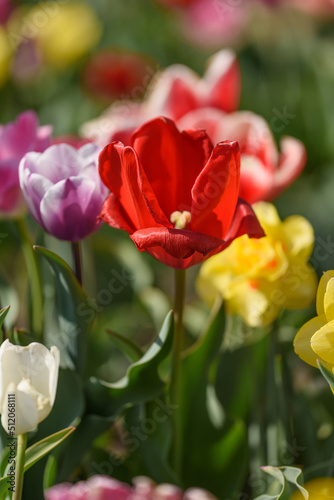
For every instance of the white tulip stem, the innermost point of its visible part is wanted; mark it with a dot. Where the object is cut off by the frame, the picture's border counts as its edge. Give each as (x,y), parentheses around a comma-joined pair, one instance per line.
(19,470)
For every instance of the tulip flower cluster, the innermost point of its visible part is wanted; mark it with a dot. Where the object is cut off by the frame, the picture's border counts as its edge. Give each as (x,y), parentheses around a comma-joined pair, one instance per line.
(210,103)
(105,487)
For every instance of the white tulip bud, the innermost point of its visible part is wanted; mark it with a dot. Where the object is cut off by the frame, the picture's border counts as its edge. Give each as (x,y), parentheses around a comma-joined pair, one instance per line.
(28,384)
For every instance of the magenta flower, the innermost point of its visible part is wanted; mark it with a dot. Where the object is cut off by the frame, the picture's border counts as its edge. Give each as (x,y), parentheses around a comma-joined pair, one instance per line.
(107,488)
(63,190)
(16,139)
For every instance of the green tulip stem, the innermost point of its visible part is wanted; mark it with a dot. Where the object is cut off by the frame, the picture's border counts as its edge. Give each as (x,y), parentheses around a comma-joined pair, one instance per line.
(77,259)
(34,275)
(19,466)
(176,381)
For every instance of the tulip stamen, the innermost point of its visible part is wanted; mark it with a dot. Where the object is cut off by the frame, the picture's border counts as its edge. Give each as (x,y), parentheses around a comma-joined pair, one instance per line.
(180,219)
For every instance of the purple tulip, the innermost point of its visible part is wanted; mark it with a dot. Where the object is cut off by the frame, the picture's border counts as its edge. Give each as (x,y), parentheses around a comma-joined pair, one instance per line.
(63,190)
(16,139)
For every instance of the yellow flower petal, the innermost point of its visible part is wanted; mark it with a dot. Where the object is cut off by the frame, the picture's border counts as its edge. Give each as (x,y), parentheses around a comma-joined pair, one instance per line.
(322,343)
(298,237)
(322,290)
(321,488)
(302,342)
(252,304)
(267,215)
(329,300)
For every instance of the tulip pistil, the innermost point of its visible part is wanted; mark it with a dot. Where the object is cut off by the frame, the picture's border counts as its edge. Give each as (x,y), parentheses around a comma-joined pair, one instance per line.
(180,219)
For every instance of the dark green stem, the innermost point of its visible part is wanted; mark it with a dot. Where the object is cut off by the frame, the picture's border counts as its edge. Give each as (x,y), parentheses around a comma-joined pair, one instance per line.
(19,466)
(35,280)
(176,387)
(77,259)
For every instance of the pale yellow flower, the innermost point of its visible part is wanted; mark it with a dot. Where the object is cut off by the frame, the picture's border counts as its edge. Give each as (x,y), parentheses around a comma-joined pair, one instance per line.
(318,489)
(315,340)
(259,277)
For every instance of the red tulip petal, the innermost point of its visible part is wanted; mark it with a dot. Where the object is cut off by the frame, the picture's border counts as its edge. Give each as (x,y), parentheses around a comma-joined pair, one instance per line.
(215,192)
(291,163)
(177,243)
(113,214)
(223,81)
(172,160)
(244,222)
(121,171)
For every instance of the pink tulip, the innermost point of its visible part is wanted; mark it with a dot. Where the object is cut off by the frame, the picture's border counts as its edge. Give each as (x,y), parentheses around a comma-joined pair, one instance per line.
(63,190)
(264,172)
(16,139)
(106,488)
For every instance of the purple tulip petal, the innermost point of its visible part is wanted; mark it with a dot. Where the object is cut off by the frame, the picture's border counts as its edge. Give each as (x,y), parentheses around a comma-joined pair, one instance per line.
(70,208)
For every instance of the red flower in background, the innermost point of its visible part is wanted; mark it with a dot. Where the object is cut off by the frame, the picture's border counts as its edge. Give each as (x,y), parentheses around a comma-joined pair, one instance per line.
(114,74)
(175,92)
(175,194)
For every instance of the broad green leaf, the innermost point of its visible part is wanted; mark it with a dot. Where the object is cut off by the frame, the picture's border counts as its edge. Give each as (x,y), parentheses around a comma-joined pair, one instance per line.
(37,451)
(327,374)
(127,346)
(149,435)
(215,450)
(70,457)
(142,381)
(284,477)
(71,339)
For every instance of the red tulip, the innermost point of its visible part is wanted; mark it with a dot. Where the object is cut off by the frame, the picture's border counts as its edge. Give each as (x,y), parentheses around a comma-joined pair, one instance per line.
(175,194)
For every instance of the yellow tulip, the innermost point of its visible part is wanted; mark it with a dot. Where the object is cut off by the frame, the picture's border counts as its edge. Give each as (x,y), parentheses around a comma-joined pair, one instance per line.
(259,277)
(315,340)
(5,56)
(318,489)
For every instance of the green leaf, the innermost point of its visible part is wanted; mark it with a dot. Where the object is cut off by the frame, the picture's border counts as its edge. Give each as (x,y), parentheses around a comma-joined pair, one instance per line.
(37,451)
(127,346)
(142,381)
(70,297)
(149,435)
(215,450)
(3,314)
(284,477)
(91,427)
(327,374)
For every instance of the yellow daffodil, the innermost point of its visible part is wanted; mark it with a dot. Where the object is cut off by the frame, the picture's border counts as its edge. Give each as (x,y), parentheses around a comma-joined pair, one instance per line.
(315,340)
(5,56)
(318,489)
(259,277)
